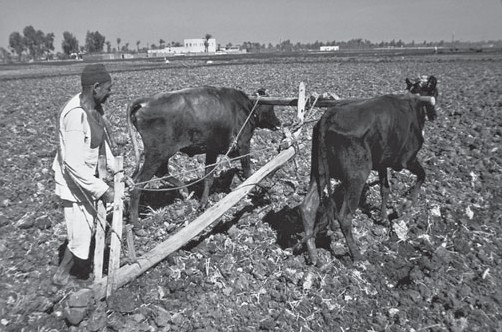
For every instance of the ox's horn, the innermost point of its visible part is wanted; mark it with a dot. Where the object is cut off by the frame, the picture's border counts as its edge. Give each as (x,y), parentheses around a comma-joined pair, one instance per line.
(427,99)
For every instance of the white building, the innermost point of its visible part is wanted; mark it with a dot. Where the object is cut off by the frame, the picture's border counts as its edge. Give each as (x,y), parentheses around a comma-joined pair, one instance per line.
(329,48)
(196,45)
(190,46)
(234,49)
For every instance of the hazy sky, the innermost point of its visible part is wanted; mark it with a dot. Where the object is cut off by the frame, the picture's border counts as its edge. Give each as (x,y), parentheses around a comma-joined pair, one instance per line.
(262,21)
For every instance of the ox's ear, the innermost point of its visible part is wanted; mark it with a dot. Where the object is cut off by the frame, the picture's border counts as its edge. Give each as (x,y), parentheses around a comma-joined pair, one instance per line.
(262,92)
(408,84)
(431,83)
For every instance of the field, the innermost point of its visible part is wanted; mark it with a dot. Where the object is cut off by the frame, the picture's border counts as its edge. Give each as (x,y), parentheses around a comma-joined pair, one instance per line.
(439,271)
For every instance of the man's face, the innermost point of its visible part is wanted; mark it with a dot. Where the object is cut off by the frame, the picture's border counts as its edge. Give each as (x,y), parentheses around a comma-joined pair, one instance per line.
(102,91)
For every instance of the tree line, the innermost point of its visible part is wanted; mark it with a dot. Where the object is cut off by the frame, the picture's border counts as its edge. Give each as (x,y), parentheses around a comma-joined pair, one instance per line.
(37,45)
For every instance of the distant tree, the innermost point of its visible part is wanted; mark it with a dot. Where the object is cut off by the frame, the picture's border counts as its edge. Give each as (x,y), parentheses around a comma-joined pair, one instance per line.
(125,48)
(4,55)
(37,42)
(48,45)
(69,44)
(137,45)
(162,43)
(16,42)
(206,42)
(108,46)
(30,39)
(94,42)
(286,46)
(252,47)
(118,44)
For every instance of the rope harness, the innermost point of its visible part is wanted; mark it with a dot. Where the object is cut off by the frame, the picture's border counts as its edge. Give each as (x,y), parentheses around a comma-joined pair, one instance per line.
(216,165)
(289,138)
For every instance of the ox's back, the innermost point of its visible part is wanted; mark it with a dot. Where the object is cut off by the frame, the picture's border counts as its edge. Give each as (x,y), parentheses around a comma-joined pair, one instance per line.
(387,129)
(194,119)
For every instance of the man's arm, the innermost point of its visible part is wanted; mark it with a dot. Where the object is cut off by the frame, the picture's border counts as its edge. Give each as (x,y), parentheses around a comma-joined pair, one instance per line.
(75,146)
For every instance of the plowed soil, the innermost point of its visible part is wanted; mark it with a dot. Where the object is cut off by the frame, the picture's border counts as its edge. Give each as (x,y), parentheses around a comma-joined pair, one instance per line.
(437,268)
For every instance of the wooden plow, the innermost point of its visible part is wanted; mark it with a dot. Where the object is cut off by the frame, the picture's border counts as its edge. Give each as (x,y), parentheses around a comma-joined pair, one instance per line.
(119,276)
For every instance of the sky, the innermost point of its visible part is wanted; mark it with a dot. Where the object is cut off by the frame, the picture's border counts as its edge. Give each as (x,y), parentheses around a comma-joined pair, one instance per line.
(263,21)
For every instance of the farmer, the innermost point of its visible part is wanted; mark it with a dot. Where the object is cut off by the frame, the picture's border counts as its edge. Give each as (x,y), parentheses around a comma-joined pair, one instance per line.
(82,136)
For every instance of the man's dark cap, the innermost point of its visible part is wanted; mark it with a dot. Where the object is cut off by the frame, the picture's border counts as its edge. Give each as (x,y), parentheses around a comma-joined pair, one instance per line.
(94,73)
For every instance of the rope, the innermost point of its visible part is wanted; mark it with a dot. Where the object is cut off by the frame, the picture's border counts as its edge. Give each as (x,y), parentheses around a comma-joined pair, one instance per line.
(225,158)
(234,143)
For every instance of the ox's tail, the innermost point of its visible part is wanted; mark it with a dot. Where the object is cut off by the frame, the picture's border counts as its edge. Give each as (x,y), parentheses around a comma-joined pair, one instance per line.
(131,122)
(321,172)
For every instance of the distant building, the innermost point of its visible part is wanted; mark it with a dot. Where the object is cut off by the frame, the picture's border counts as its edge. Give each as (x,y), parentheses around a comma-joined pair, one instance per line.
(196,45)
(329,48)
(234,49)
(167,51)
(110,56)
(190,46)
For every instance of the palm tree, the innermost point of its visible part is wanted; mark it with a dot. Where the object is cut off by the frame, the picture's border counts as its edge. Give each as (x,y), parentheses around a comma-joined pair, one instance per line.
(118,44)
(206,42)
(161,43)
(137,45)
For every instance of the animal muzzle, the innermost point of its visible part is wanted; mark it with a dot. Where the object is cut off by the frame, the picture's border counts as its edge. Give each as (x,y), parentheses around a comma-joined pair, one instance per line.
(430,109)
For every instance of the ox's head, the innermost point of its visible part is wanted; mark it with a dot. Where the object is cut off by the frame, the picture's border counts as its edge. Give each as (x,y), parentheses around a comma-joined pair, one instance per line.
(425,87)
(265,114)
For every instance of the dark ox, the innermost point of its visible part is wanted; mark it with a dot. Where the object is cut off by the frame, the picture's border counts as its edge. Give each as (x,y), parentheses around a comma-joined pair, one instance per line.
(355,137)
(194,121)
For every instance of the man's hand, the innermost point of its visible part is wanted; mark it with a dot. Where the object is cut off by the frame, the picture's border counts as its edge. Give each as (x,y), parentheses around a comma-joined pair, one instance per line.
(108,196)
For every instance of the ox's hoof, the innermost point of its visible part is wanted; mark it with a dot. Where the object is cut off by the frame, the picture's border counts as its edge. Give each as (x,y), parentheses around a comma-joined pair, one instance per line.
(203,205)
(139,232)
(60,279)
(313,259)
(297,248)
(383,220)
(357,257)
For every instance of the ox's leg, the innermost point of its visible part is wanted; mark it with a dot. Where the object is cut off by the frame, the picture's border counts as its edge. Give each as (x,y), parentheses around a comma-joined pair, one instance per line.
(209,177)
(308,211)
(171,180)
(352,194)
(147,171)
(417,169)
(244,150)
(384,193)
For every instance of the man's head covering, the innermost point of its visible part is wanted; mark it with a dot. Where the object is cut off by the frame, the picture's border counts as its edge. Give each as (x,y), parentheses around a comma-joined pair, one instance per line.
(95,73)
